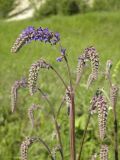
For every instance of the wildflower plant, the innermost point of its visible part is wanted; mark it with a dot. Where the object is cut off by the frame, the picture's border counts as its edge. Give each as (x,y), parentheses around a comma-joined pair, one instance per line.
(98,104)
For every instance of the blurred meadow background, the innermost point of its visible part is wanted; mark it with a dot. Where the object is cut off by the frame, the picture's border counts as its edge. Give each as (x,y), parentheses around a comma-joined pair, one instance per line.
(80,24)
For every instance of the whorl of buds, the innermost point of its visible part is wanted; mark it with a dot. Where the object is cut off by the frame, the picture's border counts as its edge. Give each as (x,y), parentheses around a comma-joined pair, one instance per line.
(68,99)
(99,104)
(92,55)
(31,113)
(17,84)
(102,115)
(108,68)
(25,146)
(39,34)
(104,152)
(93,102)
(80,67)
(33,74)
(113,95)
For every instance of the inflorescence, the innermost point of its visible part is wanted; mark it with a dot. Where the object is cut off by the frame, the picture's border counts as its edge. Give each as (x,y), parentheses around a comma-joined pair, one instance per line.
(33,74)
(39,34)
(90,54)
(17,85)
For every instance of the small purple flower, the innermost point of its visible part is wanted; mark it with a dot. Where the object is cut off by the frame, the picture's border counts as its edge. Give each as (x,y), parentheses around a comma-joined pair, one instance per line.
(59,59)
(63,50)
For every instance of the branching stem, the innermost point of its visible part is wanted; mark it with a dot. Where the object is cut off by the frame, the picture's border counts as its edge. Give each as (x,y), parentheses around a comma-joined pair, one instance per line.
(72,116)
(55,121)
(83,138)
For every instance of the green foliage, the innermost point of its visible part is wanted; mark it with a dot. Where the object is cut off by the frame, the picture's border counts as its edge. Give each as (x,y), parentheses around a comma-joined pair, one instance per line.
(47,8)
(69,7)
(53,7)
(77,32)
(106,5)
(5,7)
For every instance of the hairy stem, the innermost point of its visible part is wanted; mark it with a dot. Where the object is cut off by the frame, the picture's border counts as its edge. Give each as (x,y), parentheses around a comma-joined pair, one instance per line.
(59,77)
(83,138)
(55,121)
(115,133)
(72,116)
(46,146)
(61,104)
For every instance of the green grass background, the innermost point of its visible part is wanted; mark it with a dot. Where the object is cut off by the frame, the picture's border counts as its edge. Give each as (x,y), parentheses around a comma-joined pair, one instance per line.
(100,29)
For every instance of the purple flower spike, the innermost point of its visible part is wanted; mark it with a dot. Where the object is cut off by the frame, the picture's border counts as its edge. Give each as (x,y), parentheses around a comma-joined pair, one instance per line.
(59,59)
(40,34)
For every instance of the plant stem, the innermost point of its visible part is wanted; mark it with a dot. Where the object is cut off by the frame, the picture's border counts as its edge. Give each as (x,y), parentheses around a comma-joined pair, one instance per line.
(83,138)
(59,109)
(115,133)
(72,127)
(59,77)
(55,121)
(46,146)
(72,116)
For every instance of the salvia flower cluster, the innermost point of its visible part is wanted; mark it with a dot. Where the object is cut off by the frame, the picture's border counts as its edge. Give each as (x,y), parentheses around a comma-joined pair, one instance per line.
(33,74)
(91,54)
(98,103)
(25,146)
(39,34)
(104,152)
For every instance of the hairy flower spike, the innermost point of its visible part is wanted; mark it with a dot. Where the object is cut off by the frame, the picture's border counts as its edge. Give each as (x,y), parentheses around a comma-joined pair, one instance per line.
(93,102)
(68,99)
(102,115)
(33,74)
(18,84)
(30,34)
(92,55)
(80,67)
(30,113)
(104,152)
(25,146)
(113,95)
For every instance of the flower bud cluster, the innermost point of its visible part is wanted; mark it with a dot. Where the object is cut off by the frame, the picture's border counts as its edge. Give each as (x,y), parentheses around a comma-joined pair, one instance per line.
(25,146)
(104,152)
(14,90)
(33,74)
